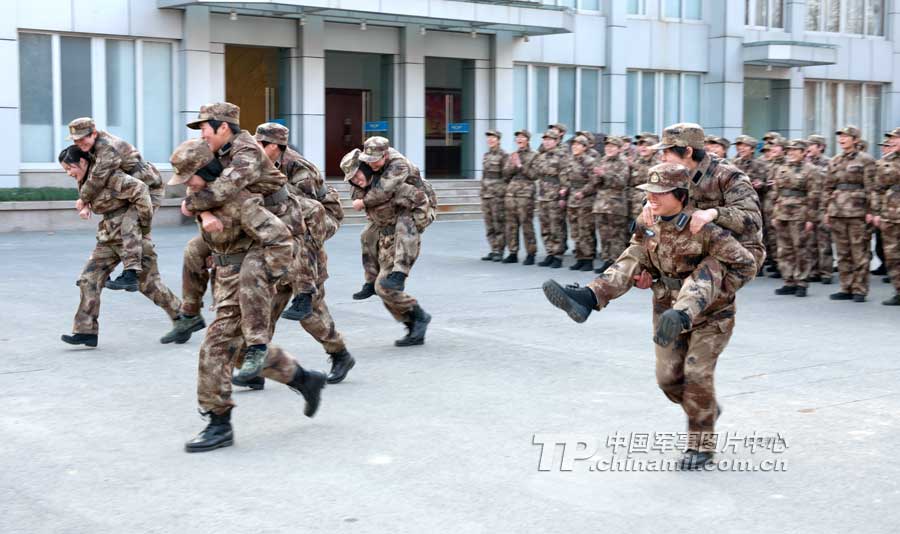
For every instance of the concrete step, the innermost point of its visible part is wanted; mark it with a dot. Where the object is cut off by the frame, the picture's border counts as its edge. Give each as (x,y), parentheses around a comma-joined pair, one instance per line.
(462,215)
(442,201)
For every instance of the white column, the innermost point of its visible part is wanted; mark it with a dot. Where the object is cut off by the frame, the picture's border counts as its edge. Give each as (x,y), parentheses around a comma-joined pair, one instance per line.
(477,112)
(615,81)
(502,87)
(307,114)
(891,112)
(722,109)
(196,65)
(410,89)
(796,106)
(9,99)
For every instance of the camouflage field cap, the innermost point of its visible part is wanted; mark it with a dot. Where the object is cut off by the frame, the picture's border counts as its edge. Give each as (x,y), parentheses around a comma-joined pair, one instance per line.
(647,138)
(524,133)
(683,134)
(582,140)
(350,163)
(666,177)
(552,133)
(614,140)
(778,141)
(81,127)
(562,128)
(815,139)
(496,133)
(626,139)
(188,158)
(592,139)
(893,133)
(771,135)
(850,130)
(745,140)
(219,111)
(801,144)
(272,132)
(716,140)
(374,148)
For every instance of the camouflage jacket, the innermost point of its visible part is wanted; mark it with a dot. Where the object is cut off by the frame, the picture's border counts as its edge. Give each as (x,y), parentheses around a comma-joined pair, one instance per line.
(546,167)
(520,179)
(887,201)
(122,192)
(577,177)
(493,180)
(820,161)
(698,274)
(305,181)
(755,168)
(850,185)
(396,171)
(610,186)
(796,192)
(111,154)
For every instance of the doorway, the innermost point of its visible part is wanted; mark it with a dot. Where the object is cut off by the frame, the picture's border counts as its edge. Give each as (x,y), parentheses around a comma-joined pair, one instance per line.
(345,113)
(255,82)
(444,82)
(766,106)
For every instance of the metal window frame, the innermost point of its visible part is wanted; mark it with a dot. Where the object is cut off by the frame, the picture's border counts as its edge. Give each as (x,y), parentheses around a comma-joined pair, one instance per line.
(768,26)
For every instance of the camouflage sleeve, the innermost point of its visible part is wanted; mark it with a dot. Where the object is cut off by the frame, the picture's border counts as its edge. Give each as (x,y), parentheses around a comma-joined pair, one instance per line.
(137,194)
(503,162)
(396,173)
(590,186)
(261,224)
(508,170)
(813,194)
(618,278)
(107,161)
(244,170)
(741,213)
(617,176)
(828,186)
(527,159)
(565,174)
(409,197)
(871,185)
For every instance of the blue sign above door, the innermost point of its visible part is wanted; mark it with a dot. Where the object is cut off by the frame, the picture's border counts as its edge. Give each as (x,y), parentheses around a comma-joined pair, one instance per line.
(458,127)
(377,126)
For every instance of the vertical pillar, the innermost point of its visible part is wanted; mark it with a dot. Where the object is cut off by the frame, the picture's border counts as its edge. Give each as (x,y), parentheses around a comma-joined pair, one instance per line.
(891,108)
(306,119)
(410,88)
(196,64)
(615,80)
(502,87)
(9,100)
(723,90)
(477,112)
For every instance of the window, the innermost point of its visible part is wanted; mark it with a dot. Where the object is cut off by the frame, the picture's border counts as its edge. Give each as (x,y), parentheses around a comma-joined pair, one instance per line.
(520,97)
(858,17)
(576,99)
(590,99)
(64,77)
(833,105)
(589,5)
(637,7)
(566,95)
(764,13)
(658,99)
(682,9)
(542,96)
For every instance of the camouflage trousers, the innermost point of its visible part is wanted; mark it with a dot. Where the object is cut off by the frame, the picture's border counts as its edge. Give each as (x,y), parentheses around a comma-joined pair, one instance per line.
(102,262)
(132,240)
(581,223)
(553,231)
(890,233)
(520,214)
(398,303)
(492,208)
(320,325)
(613,230)
(852,240)
(821,256)
(793,253)
(770,235)
(194,275)
(685,373)
(408,237)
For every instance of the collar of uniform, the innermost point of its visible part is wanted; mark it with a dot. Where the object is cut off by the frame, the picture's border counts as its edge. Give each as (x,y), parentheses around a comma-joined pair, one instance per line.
(849,154)
(494,150)
(226,148)
(702,168)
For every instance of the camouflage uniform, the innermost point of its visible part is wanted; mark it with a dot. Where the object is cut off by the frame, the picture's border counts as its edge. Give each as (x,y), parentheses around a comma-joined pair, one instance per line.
(121,194)
(493,191)
(768,202)
(546,167)
(795,196)
(637,175)
(887,206)
(848,196)
(820,249)
(611,206)
(695,274)
(577,177)
(519,202)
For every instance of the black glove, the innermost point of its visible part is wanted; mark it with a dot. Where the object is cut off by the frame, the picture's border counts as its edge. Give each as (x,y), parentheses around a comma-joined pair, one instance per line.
(671,324)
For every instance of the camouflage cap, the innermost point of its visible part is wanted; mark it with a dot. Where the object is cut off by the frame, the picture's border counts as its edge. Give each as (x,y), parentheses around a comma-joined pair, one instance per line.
(524,133)
(81,127)
(582,140)
(816,139)
(562,128)
(272,132)
(801,144)
(218,111)
(645,134)
(626,139)
(647,139)
(350,163)
(893,133)
(771,135)
(374,148)
(614,140)
(684,134)
(778,141)
(666,177)
(552,133)
(850,130)
(589,135)
(746,140)
(188,158)
(721,141)
(496,133)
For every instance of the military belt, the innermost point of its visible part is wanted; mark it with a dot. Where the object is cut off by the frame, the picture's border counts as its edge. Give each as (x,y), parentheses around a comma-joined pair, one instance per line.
(224,260)
(671,283)
(492,175)
(116,213)
(791,193)
(276,198)
(848,187)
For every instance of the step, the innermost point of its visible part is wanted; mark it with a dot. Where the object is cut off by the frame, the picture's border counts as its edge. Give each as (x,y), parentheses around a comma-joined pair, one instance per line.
(467,215)
(442,201)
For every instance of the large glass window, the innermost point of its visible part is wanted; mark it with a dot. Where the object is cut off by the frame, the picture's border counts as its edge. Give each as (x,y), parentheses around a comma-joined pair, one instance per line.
(120,90)
(648,102)
(36,97)
(657,99)
(692,10)
(591,5)
(75,78)
(576,103)
(157,95)
(690,102)
(833,16)
(855,17)
(520,96)
(861,107)
(566,95)
(637,7)
(859,17)
(872,115)
(590,99)
(671,98)
(764,13)
(542,97)
(813,14)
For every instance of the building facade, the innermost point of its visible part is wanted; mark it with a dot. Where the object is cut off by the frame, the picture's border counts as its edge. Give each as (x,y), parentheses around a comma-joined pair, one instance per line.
(432,75)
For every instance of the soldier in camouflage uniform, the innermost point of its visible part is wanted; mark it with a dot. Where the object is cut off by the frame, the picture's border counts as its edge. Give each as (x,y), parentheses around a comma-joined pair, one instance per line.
(611,205)
(795,194)
(520,200)
(695,279)
(820,250)
(849,196)
(887,209)
(235,227)
(121,194)
(493,193)
(578,188)
(111,154)
(638,172)
(547,167)
(404,212)
(717,146)
(591,151)
(773,153)
(628,152)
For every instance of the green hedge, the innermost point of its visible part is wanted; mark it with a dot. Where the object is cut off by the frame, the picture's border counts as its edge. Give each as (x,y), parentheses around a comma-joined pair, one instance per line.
(23,194)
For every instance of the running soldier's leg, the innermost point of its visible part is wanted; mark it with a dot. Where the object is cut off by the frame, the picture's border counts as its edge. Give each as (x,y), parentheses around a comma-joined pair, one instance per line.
(255,297)
(670,361)
(151,284)
(194,276)
(406,244)
(132,240)
(320,325)
(220,348)
(368,241)
(398,303)
(704,346)
(102,262)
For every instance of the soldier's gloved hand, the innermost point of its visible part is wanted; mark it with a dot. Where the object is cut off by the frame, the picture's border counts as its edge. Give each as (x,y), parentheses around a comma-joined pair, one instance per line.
(671,324)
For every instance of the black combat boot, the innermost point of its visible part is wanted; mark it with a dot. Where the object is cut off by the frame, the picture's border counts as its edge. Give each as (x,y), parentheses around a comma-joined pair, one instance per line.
(254,362)
(417,325)
(301,308)
(128,281)
(368,289)
(488,257)
(893,301)
(182,328)
(497,256)
(775,274)
(886,280)
(394,281)
(341,363)
(840,295)
(588,266)
(512,258)
(603,266)
(546,261)
(89,340)
(216,435)
(257,383)
(814,278)
(529,260)
(310,385)
(577,301)
(859,298)
(786,290)
(694,459)
(576,266)
(880,271)
(801,292)
(557,262)
(826,280)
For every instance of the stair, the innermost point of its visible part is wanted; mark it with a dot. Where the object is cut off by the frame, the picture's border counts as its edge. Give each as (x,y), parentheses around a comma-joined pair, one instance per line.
(458,200)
